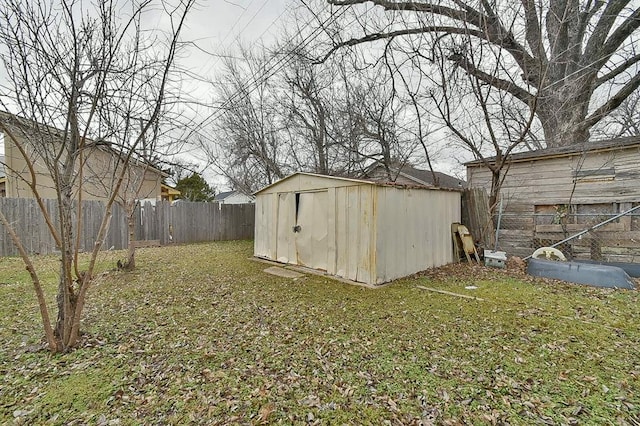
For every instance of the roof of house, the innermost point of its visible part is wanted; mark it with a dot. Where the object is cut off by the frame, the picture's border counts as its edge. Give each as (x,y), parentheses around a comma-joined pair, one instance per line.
(567,151)
(222,195)
(424,177)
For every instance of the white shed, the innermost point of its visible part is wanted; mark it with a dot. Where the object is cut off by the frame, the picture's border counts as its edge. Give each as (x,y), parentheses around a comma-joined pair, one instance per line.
(355,229)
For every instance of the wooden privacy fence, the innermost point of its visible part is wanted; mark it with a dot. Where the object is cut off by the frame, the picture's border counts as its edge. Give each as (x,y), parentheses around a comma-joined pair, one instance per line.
(476,215)
(183,222)
(186,222)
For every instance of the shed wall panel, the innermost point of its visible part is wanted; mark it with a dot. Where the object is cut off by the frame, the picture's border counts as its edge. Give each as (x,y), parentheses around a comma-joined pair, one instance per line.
(311,236)
(331,231)
(341,233)
(352,250)
(365,272)
(285,237)
(354,239)
(413,230)
(263,230)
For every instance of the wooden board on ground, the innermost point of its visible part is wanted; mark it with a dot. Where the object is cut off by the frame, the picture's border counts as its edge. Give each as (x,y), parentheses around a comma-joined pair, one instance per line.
(282,272)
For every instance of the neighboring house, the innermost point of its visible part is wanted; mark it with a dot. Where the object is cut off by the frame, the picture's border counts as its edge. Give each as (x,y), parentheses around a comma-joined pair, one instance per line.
(552,193)
(233,197)
(99,172)
(169,193)
(408,175)
(360,230)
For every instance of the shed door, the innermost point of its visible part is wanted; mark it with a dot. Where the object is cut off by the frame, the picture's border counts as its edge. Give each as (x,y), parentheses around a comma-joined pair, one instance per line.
(285,240)
(311,229)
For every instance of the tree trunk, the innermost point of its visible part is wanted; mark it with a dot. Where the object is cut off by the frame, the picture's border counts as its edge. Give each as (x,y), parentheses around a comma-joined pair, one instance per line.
(562,126)
(130,263)
(563,120)
(131,254)
(66,298)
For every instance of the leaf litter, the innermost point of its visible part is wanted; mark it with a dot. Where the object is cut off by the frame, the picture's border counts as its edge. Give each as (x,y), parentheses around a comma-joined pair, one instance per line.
(199,334)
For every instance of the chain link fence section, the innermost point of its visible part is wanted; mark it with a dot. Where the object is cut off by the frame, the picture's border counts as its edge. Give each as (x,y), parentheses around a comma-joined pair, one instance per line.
(587,237)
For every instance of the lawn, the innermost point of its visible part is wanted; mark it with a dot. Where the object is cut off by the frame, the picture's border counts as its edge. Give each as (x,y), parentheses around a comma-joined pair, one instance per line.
(199,334)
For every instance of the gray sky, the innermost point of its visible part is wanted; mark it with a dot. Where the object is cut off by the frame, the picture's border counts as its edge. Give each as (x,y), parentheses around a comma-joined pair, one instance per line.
(217,27)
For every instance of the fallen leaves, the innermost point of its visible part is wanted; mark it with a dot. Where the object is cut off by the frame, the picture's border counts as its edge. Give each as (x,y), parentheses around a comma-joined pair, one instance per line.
(198,334)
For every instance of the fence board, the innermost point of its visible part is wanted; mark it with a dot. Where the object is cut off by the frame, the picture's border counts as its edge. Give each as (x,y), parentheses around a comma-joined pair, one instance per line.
(181,223)
(476,216)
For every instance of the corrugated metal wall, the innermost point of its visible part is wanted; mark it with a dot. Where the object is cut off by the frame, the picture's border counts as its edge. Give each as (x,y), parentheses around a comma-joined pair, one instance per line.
(354,233)
(355,230)
(264,235)
(413,230)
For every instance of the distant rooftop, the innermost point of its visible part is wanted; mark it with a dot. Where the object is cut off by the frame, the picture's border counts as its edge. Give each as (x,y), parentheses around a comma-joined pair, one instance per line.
(419,176)
(222,195)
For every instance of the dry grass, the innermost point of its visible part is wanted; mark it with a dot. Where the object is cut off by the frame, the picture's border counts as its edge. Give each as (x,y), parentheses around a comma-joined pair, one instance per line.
(199,334)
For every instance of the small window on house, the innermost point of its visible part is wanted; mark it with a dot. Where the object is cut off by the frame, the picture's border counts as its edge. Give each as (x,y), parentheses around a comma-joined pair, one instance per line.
(591,214)
(594,175)
(554,214)
(635,218)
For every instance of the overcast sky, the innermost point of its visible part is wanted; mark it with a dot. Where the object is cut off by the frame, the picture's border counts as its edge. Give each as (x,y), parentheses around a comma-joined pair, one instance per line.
(217,27)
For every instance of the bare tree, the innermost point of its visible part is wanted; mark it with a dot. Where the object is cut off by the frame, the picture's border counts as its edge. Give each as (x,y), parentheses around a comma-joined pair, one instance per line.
(245,145)
(81,77)
(308,113)
(572,62)
(481,119)
(624,121)
(280,113)
(336,125)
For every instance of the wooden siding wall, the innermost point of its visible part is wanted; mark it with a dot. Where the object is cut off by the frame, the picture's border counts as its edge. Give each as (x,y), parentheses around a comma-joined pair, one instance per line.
(476,215)
(582,179)
(185,222)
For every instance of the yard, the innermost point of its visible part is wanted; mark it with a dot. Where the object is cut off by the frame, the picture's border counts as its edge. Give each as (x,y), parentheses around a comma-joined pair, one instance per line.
(199,334)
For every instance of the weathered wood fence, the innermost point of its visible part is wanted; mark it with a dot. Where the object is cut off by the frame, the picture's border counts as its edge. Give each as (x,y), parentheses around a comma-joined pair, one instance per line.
(183,222)
(476,215)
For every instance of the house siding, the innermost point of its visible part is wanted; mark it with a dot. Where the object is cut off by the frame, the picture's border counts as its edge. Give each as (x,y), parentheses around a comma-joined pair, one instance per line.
(583,179)
(99,175)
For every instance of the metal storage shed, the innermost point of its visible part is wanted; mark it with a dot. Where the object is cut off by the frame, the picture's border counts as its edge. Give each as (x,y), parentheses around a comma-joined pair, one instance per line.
(355,229)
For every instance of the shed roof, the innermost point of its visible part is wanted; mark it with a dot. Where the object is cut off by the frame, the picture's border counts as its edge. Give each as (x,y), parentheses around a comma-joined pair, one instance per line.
(354,181)
(567,151)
